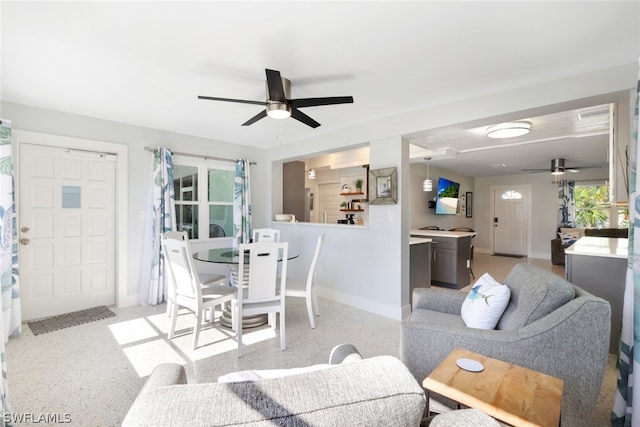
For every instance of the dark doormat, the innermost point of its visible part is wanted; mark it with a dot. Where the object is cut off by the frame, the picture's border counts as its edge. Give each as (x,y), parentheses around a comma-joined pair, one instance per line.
(67,320)
(509,255)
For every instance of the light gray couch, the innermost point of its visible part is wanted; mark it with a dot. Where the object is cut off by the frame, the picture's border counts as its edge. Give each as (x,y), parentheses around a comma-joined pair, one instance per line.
(549,325)
(376,391)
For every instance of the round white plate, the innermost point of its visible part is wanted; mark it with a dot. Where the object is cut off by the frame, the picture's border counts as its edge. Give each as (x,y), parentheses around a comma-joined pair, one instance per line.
(470,365)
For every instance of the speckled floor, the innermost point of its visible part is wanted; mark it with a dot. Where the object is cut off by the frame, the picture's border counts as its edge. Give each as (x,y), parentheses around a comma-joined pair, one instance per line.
(94,371)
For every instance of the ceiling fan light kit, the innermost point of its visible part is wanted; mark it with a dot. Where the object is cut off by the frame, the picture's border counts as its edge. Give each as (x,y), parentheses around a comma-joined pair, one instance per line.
(278,103)
(508,130)
(278,110)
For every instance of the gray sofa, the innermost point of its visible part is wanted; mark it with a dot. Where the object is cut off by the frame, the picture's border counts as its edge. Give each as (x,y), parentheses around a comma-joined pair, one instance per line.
(350,391)
(549,325)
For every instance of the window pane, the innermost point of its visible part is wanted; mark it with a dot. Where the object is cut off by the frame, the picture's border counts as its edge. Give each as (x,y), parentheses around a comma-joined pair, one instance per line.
(220,220)
(592,206)
(511,195)
(185,182)
(187,219)
(221,185)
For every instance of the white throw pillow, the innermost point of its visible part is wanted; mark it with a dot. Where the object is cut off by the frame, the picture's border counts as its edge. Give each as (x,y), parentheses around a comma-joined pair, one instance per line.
(486,302)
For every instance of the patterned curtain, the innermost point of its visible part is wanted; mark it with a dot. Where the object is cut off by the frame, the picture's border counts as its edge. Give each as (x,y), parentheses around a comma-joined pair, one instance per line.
(242,203)
(160,218)
(628,359)
(566,203)
(10,321)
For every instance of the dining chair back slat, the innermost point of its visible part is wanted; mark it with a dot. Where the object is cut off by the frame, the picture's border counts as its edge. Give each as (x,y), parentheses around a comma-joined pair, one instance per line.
(265,290)
(266,235)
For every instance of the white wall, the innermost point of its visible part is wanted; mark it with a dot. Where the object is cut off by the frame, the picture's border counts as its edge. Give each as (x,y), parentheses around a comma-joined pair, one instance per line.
(544,207)
(421,214)
(366,267)
(136,138)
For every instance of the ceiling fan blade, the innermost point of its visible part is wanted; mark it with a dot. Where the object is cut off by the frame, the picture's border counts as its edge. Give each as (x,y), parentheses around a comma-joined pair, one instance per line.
(241,101)
(302,117)
(316,102)
(261,115)
(274,84)
(535,170)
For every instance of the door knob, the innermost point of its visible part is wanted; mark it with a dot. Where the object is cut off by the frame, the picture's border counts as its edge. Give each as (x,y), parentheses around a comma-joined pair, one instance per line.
(25,229)
(24,241)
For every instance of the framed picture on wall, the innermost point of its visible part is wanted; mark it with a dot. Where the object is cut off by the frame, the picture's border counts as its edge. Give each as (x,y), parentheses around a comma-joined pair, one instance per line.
(383,186)
(469,211)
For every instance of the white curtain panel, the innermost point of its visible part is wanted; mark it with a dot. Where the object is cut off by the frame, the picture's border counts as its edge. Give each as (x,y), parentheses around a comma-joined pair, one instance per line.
(10,321)
(626,400)
(160,218)
(242,203)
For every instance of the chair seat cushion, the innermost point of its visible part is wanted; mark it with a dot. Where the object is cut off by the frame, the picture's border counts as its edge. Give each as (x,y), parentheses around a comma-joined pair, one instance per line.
(433,317)
(485,303)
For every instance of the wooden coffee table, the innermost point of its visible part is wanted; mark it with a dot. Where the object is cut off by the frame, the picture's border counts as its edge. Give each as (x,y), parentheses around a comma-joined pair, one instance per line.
(510,393)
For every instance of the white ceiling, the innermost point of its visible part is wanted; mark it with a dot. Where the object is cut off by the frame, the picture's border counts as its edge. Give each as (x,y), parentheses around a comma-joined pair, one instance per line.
(145,63)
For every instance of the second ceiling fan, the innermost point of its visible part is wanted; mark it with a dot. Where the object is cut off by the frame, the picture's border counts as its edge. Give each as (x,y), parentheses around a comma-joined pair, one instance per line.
(279,104)
(558,168)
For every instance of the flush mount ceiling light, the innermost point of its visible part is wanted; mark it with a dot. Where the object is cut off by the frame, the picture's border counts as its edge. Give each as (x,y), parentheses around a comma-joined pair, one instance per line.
(508,130)
(427,184)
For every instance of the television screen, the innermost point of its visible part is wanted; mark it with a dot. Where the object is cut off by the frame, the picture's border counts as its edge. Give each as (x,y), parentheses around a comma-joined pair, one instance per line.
(447,198)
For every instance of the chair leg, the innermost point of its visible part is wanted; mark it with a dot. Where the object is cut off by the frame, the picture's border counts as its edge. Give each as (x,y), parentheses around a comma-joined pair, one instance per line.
(271,320)
(196,327)
(314,298)
(172,320)
(283,341)
(237,319)
(310,311)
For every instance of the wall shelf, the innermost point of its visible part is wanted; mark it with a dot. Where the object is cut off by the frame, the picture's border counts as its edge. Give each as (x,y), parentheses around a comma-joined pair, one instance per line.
(351,210)
(356,193)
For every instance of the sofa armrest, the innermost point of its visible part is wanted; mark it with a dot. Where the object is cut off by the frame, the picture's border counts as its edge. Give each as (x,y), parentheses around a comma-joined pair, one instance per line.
(574,339)
(163,375)
(441,300)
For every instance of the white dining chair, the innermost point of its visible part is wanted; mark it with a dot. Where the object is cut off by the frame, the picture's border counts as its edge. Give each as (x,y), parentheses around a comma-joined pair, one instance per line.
(305,287)
(187,289)
(265,291)
(266,235)
(205,279)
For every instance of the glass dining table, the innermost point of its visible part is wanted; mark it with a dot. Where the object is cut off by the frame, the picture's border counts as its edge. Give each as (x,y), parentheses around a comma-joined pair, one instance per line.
(231,257)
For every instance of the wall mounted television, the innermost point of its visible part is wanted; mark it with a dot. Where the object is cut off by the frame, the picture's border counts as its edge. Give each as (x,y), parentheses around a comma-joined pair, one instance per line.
(447,197)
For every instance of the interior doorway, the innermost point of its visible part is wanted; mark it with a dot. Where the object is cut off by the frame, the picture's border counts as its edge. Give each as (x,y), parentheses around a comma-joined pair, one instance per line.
(511,212)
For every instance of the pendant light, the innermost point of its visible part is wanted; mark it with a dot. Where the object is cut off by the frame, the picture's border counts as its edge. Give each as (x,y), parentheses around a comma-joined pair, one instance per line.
(427,184)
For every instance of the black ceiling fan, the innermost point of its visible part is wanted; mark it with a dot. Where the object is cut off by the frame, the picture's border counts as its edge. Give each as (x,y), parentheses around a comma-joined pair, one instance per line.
(279,103)
(558,168)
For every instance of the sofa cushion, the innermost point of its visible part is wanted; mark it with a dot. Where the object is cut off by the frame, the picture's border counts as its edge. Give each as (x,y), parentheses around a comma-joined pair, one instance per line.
(485,303)
(376,391)
(535,292)
(261,374)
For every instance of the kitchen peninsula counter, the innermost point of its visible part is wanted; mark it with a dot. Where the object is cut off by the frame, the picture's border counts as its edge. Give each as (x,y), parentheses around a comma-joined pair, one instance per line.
(450,258)
(599,266)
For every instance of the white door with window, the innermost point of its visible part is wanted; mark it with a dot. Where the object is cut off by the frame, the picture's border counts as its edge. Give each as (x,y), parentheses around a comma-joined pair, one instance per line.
(67,229)
(511,217)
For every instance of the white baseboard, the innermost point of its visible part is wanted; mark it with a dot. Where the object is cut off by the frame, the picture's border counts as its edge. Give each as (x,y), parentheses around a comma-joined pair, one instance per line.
(395,313)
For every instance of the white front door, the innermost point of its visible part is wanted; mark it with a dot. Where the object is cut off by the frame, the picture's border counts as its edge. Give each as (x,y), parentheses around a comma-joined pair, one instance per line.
(511,220)
(67,230)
